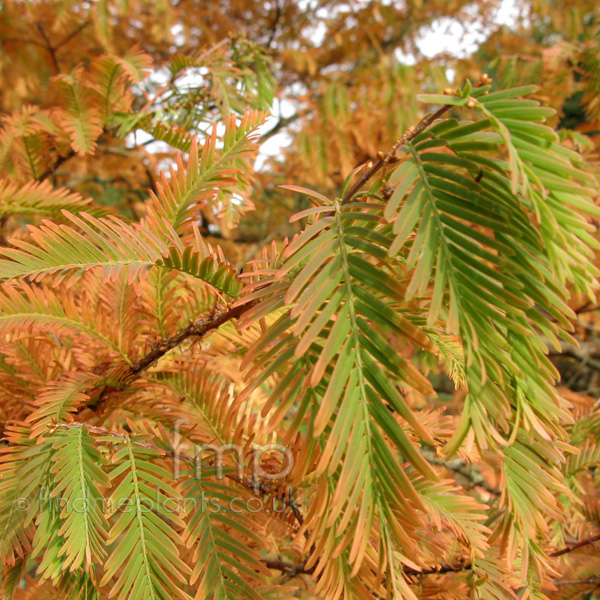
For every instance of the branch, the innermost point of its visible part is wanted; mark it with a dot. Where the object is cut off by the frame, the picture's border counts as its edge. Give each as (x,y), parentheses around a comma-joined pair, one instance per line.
(51,49)
(290,568)
(73,34)
(3,240)
(260,244)
(56,164)
(581,544)
(459,466)
(373,167)
(199,328)
(60,160)
(458,567)
(455,568)
(49,171)
(410,134)
(584,353)
(281,124)
(275,24)
(299,568)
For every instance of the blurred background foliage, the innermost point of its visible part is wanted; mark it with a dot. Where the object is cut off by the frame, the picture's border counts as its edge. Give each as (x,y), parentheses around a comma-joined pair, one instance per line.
(339,77)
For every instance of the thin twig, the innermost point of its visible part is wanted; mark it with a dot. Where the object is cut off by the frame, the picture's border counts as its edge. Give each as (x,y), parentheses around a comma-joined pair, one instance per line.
(409,134)
(285,566)
(275,24)
(300,568)
(71,35)
(281,124)
(51,49)
(467,566)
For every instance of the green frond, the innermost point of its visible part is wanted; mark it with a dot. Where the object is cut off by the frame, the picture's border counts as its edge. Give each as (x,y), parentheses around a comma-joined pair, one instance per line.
(346,305)
(35,482)
(474,246)
(586,426)
(256,69)
(533,480)
(78,474)
(551,177)
(164,301)
(200,262)
(143,557)
(206,397)
(10,579)
(459,512)
(122,302)
(493,579)
(588,456)
(22,150)
(176,136)
(110,76)
(47,544)
(28,308)
(16,530)
(494,244)
(227,565)
(78,584)
(238,79)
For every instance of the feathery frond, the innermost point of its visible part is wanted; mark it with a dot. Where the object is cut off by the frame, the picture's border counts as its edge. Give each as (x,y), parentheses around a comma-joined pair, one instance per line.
(110,244)
(143,561)
(78,474)
(211,173)
(40,199)
(226,567)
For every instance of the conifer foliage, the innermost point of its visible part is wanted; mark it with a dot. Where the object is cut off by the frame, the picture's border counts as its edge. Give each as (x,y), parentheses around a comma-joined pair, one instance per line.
(176,425)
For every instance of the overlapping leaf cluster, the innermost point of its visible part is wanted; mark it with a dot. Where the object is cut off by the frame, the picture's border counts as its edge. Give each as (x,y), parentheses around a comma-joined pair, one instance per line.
(460,247)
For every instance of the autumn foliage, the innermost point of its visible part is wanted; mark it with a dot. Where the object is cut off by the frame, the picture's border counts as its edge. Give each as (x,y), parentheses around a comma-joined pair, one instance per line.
(365,367)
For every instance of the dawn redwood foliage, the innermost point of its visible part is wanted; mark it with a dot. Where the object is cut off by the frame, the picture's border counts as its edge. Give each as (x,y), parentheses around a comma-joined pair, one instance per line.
(178,422)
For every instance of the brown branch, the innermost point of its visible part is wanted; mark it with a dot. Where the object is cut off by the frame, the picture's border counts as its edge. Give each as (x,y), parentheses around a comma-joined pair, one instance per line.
(456,568)
(290,568)
(260,244)
(294,569)
(18,40)
(459,466)
(3,240)
(198,328)
(586,542)
(373,167)
(282,123)
(299,568)
(51,49)
(49,171)
(275,24)
(56,164)
(71,35)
